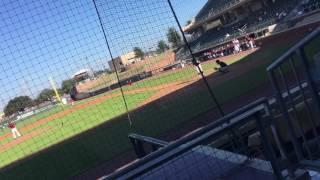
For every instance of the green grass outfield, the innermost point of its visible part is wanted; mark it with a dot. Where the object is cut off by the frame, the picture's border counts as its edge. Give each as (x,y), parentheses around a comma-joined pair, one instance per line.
(69,125)
(180,75)
(78,155)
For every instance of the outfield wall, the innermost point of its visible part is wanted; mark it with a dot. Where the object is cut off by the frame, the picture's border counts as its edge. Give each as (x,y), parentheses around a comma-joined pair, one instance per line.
(26,115)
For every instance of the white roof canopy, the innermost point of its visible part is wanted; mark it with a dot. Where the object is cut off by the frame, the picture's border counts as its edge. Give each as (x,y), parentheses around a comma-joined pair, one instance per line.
(82,71)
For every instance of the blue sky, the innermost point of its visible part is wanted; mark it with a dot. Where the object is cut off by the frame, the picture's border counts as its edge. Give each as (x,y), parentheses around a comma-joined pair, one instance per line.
(45,38)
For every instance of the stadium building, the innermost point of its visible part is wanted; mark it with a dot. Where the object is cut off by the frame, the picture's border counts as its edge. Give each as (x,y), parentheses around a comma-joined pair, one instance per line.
(83,75)
(220,21)
(122,61)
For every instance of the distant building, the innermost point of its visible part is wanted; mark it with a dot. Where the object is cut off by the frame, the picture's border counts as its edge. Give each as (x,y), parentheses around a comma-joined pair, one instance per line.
(116,64)
(122,61)
(83,75)
(151,53)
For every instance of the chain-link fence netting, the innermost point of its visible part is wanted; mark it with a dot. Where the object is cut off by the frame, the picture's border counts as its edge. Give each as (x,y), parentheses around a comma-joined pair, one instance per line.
(78,76)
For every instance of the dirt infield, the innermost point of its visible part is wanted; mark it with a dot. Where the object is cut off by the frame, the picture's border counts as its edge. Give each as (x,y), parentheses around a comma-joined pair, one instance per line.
(196,83)
(166,91)
(263,91)
(23,138)
(22,130)
(237,55)
(168,59)
(214,79)
(163,90)
(148,65)
(172,87)
(236,71)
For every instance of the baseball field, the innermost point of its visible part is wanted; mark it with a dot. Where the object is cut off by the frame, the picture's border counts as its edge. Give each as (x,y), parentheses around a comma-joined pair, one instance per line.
(68,140)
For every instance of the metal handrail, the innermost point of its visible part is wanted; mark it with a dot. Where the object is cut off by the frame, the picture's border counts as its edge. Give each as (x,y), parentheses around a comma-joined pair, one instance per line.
(188,142)
(276,66)
(310,165)
(147,139)
(138,142)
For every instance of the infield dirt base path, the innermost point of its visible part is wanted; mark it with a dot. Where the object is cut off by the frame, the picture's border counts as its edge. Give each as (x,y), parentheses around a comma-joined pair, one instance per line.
(163,90)
(24,137)
(214,79)
(172,86)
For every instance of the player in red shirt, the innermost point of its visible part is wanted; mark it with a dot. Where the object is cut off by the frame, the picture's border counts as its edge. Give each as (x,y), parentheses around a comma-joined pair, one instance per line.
(129,82)
(14,130)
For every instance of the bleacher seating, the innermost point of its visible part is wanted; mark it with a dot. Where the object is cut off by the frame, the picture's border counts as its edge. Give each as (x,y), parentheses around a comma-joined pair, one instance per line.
(214,7)
(259,19)
(311,5)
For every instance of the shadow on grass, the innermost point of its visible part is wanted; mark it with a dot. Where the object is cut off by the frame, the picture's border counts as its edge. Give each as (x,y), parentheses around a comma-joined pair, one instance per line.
(168,117)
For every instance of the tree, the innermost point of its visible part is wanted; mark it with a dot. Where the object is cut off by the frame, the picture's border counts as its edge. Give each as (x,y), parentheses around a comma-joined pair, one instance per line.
(138,52)
(162,47)
(174,37)
(67,85)
(45,95)
(17,104)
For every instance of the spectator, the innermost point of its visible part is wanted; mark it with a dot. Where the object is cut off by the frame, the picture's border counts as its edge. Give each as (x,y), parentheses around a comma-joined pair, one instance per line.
(182,64)
(236,45)
(251,43)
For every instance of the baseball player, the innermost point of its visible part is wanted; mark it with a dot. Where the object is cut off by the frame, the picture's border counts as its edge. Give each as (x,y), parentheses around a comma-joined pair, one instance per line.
(198,67)
(251,42)
(223,67)
(14,130)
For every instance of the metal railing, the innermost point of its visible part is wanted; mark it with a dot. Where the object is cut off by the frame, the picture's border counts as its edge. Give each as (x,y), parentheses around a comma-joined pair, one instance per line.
(231,126)
(300,110)
(296,91)
(140,142)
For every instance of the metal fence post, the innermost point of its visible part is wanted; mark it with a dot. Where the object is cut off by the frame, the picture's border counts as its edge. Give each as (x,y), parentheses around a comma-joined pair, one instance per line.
(134,145)
(140,148)
(310,80)
(286,116)
(274,131)
(268,150)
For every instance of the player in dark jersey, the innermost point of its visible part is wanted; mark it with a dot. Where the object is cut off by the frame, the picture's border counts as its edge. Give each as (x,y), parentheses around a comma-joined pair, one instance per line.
(223,67)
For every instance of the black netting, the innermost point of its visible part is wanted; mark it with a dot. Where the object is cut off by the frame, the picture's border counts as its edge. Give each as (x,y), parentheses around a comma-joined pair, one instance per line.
(78,76)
